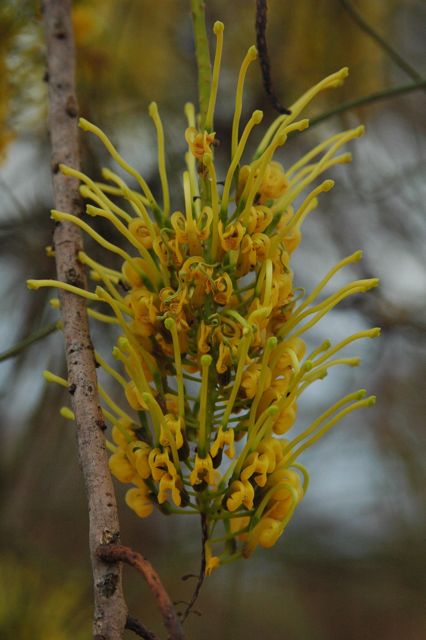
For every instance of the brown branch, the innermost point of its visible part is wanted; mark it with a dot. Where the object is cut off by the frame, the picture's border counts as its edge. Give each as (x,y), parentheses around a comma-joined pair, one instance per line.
(110,609)
(262,48)
(117,552)
(139,629)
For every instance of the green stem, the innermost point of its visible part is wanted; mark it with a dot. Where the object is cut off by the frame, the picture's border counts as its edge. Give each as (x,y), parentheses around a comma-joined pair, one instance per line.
(394,55)
(373,97)
(202,54)
(26,342)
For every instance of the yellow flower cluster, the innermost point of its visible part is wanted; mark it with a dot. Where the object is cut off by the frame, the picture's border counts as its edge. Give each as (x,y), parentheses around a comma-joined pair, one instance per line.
(211,330)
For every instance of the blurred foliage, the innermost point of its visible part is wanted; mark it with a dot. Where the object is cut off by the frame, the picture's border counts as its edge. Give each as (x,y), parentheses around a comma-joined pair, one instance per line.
(22,95)
(32,607)
(8,27)
(111,65)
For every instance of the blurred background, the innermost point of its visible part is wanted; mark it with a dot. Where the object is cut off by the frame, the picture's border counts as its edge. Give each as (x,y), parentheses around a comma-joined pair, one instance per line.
(352,562)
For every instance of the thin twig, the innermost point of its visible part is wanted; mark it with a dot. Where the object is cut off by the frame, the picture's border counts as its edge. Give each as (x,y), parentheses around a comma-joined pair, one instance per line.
(139,629)
(392,53)
(110,612)
(29,340)
(373,97)
(117,552)
(201,576)
(262,48)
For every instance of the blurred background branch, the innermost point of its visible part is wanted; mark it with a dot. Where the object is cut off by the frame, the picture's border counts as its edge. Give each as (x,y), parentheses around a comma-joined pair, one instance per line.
(365,100)
(20,346)
(384,44)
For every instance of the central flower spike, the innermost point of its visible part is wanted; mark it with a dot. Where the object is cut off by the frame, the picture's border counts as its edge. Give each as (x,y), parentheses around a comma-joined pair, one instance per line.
(210,355)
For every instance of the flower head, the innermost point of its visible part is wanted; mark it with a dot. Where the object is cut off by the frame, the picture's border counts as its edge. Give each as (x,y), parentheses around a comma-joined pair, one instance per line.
(210,354)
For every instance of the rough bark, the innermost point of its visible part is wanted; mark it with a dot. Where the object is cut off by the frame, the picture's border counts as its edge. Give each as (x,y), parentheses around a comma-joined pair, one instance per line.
(110,609)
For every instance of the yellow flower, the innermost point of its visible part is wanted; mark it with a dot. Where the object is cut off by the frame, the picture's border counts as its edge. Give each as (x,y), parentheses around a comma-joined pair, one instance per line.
(287,492)
(231,236)
(274,183)
(204,223)
(161,249)
(224,358)
(223,438)
(260,219)
(204,333)
(134,397)
(141,231)
(179,224)
(251,377)
(261,244)
(273,449)
(172,484)
(190,231)
(139,454)
(276,390)
(172,403)
(292,239)
(141,302)
(137,499)
(282,289)
(246,257)
(265,533)
(160,464)
(285,419)
(240,493)
(258,464)
(222,288)
(212,562)
(211,346)
(238,527)
(199,142)
(120,467)
(122,433)
(203,472)
(174,426)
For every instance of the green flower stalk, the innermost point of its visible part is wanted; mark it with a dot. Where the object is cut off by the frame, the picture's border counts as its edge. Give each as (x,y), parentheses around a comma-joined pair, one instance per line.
(210,354)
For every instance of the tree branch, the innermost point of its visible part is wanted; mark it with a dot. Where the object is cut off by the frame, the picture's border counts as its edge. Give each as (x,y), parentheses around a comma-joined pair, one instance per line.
(43,332)
(262,48)
(110,609)
(139,629)
(392,53)
(372,97)
(117,552)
